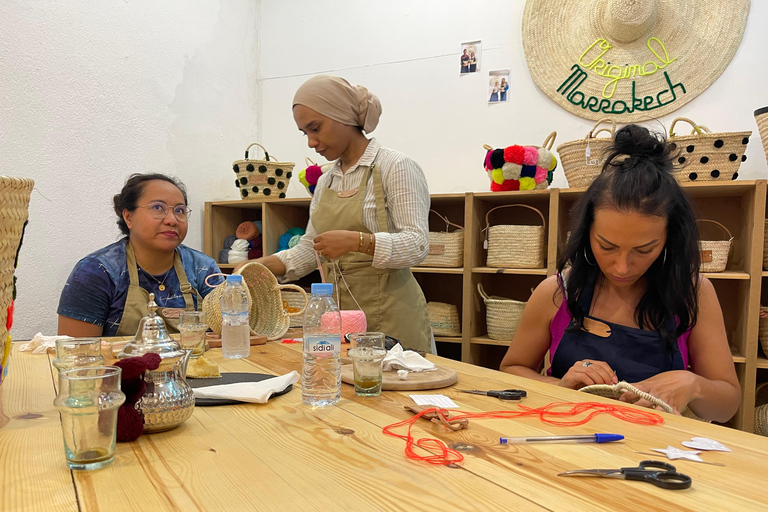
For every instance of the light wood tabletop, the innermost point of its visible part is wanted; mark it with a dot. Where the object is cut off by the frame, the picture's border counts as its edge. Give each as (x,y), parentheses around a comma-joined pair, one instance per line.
(286,456)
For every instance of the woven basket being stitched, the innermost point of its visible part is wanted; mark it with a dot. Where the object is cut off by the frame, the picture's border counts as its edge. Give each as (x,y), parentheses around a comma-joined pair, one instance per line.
(714,253)
(260,179)
(444,319)
(616,390)
(583,159)
(293,302)
(761,118)
(516,245)
(445,249)
(707,156)
(502,316)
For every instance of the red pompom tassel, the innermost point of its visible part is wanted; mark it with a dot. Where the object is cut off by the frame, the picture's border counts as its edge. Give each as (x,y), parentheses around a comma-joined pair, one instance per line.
(514,154)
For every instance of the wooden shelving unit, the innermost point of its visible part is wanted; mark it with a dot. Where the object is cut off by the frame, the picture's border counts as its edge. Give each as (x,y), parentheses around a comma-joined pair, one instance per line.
(740,206)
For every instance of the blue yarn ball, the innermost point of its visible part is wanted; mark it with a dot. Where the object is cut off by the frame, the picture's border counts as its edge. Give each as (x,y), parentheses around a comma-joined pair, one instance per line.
(312,189)
(228,242)
(258,224)
(296,231)
(284,240)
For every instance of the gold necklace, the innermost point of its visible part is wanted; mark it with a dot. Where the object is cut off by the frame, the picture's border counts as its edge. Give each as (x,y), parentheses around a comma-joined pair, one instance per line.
(162,284)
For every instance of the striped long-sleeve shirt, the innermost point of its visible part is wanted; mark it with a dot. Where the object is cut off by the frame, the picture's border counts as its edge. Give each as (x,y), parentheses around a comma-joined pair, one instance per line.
(404,242)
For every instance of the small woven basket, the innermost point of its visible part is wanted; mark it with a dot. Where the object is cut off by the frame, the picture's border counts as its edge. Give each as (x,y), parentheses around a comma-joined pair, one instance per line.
(260,179)
(583,159)
(14,211)
(707,156)
(761,117)
(761,409)
(616,390)
(515,246)
(444,319)
(762,333)
(293,302)
(714,253)
(502,316)
(445,249)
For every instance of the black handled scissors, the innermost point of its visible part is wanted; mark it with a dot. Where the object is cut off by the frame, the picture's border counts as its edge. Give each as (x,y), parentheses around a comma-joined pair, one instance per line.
(658,473)
(507,394)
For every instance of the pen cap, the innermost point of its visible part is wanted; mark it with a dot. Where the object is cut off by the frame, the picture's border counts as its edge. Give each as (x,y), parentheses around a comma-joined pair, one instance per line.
(607,438)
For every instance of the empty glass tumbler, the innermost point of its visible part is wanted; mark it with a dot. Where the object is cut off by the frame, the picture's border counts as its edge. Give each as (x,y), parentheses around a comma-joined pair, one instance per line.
(78,353)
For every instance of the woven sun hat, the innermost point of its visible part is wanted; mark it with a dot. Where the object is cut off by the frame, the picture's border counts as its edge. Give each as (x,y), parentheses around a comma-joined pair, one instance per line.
(665,52)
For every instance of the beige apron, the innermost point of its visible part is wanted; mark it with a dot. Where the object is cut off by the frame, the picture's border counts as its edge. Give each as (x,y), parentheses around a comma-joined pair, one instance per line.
(391,298)
(137,298)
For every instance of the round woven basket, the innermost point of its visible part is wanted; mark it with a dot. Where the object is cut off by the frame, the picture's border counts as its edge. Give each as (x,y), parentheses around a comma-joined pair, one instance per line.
(515,246)
(707,156)
(445,249)
(762,333)
(294,302)
(761,409)
(616,390)
(583,159)
(444,319)
(761,118)
(260,179)
(714,253)
(502,316)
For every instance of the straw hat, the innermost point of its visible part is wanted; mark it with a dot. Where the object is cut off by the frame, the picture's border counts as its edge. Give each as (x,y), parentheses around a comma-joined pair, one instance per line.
(671,50)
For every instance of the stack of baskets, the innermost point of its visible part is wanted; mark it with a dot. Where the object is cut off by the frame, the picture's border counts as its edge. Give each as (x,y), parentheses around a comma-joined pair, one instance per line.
(583,159)
(259,179)
(707,156)
(515,245)
(502,315)
(446,249)
(714,253)
(444,319)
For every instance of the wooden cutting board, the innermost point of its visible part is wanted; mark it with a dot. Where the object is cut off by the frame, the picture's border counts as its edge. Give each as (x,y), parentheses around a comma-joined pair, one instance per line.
(442,377)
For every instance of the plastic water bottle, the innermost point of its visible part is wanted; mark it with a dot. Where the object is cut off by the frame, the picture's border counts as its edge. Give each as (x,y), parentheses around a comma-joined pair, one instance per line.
(321,371)
(235,330)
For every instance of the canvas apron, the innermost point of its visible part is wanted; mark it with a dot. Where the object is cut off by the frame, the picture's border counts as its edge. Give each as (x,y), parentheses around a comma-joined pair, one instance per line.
(391,299)
(634,354)
(137,298)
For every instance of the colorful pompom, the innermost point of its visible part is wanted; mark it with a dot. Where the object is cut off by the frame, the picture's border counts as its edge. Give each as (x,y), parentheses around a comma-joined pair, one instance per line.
(511,171)
(541,175)
(497,175)
(497,158)
(531,156)
(313,174)
(545,158)
(553,166)
(488,166)
(542,185)
(528,171)
(510,185)
(527,184)
(549,176)
(303,177)
(514,154)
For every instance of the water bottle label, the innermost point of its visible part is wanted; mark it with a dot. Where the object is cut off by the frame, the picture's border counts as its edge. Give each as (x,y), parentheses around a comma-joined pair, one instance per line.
(324,347)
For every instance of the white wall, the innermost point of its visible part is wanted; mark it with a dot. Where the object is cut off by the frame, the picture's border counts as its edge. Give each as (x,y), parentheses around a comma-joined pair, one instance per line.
(93,91)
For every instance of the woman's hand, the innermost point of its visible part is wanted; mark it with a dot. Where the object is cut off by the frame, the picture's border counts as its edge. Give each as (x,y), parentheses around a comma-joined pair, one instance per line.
(676,388)
(333,244)
(588,372)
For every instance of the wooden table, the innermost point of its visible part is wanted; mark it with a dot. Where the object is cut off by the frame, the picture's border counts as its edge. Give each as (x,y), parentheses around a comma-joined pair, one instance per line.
(287,456)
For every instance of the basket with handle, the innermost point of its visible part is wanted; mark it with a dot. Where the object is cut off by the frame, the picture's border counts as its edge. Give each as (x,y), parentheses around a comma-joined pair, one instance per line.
(502,316)
(714,253)
(761,409)
(260,179)
(761,118)
(515,245)
(707,156)
(293,302)
(446,249)
(444,319)
(521,167)
(583,159)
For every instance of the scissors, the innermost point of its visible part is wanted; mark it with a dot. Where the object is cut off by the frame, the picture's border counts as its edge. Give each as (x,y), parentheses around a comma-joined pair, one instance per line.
(658,473)
(507,394)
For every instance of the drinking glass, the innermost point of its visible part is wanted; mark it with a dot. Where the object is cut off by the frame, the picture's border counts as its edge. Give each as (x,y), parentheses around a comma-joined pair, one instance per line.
(193,326)
(367,353)
(88,401)
(78,353)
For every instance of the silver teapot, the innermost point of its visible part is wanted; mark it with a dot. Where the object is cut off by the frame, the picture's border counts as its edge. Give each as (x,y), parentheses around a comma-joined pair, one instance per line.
(168,400)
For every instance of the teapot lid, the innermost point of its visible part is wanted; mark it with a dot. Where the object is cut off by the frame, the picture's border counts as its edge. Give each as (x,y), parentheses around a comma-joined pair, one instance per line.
(152,336)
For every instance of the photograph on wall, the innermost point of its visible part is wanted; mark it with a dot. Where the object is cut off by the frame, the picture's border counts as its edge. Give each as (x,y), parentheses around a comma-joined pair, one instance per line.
(470,57)
(498,85)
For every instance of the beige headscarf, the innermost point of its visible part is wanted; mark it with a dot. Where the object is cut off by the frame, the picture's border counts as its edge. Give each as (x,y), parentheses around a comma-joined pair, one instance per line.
(334,98)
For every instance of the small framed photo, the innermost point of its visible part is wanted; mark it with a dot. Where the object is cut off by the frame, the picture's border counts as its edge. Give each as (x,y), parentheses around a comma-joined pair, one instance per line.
(470,57)
(498,86)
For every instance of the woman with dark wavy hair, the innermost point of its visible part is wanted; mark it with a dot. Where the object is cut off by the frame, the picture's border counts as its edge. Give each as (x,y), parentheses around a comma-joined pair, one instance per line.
(628,302)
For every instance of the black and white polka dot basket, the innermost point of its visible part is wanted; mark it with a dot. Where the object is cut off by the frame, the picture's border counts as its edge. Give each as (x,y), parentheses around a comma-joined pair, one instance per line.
(262,179)
(707,156)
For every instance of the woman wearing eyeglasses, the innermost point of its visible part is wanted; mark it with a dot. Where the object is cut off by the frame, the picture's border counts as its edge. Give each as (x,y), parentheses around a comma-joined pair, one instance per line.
(108,290)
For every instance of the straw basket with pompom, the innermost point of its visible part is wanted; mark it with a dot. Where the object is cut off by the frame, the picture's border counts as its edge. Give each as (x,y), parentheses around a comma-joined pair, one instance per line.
(262,179)
(521,167)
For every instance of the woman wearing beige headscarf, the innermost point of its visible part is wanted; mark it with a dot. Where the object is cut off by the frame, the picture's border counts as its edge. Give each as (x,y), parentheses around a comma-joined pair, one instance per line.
(368,217)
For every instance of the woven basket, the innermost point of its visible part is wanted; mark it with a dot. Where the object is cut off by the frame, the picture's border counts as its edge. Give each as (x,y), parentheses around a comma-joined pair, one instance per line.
(583,159)
(445,249)
(707,156)
(444,319)
(293,302)
(14,211)
(714,253)
(761,409)
(259,179)
(762,333)
(761,117)
(616,390)
(515,246)
(502,316)
(765,246)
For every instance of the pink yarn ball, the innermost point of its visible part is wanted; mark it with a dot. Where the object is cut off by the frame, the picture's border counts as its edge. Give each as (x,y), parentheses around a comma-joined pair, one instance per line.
(541,175)
(313,174)
(531,156)
(488,166)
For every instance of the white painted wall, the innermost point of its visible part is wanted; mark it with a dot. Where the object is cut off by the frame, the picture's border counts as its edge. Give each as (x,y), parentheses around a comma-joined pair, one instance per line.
(93,91)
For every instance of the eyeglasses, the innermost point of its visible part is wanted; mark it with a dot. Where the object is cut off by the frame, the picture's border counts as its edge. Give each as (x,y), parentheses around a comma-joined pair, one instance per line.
(159,210)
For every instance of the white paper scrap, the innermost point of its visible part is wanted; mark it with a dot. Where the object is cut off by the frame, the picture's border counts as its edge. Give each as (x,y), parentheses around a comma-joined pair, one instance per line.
(436,400)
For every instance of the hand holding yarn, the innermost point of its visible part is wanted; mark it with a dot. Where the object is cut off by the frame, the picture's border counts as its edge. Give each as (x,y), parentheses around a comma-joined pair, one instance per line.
(674,387)
(336,243)
(587,373)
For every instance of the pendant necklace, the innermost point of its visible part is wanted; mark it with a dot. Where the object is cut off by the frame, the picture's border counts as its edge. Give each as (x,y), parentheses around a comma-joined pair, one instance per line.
(161,283)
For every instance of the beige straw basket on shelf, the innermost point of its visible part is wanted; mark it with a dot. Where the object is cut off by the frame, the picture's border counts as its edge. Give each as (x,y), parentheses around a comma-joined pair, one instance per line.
(761,409)
(293,302)
(502,316)
(707,156)
(14,211)
(582,160)
(260,179)
(515,245)
(444,319)
(446,249)
(761,118)
(714,253)
(762,333)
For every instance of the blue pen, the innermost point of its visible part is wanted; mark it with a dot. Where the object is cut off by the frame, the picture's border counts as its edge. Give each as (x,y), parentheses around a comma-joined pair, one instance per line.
(593,438)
